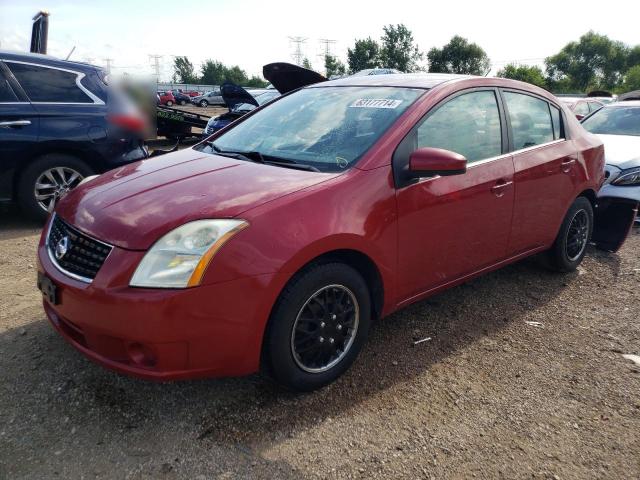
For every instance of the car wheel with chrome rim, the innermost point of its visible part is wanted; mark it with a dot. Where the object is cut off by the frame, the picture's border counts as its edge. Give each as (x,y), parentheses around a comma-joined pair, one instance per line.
(47,180)
(318,326)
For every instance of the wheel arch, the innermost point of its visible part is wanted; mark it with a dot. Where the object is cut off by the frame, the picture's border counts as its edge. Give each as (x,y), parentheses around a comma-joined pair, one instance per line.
(358,260)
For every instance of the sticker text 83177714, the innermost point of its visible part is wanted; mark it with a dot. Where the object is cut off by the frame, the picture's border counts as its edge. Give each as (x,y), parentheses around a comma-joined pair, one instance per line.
(375,103)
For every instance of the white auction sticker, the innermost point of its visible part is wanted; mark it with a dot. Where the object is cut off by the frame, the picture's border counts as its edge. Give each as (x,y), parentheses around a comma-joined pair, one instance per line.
(375,103)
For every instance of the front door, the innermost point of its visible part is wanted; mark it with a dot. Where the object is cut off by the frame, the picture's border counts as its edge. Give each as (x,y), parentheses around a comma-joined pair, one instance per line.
(456,225)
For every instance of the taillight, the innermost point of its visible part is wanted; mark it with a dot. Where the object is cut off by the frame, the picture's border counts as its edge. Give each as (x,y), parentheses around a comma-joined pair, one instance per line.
(128,122)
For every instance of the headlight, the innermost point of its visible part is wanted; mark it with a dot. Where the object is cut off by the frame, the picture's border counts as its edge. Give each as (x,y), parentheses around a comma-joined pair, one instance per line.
(180,258)
(630,177)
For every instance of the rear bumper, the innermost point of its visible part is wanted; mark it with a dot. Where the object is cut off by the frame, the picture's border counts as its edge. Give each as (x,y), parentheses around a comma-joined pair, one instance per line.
(207,331)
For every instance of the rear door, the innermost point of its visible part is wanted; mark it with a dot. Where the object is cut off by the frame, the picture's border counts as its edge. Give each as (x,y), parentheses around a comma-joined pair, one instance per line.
(455,225)
(19,125)
(545,169)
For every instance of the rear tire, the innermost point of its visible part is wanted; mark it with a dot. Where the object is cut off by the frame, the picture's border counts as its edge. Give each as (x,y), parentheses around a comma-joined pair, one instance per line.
(570,245)
(62,172)
(318,326)
(183,102)
(169,103)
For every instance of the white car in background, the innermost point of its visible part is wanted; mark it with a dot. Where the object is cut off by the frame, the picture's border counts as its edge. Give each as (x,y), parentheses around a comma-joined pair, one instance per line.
(618,126)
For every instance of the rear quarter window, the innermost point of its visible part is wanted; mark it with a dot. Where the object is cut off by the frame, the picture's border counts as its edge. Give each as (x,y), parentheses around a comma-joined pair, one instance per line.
(43,84)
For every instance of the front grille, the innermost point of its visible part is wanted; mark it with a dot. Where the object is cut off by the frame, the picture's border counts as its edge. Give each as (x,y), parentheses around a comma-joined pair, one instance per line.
(79,256)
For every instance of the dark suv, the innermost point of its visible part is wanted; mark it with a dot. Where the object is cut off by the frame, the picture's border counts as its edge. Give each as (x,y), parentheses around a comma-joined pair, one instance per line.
(59,123)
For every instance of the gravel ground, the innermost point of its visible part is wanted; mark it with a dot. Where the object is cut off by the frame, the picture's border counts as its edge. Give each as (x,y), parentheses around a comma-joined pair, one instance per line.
(490,396)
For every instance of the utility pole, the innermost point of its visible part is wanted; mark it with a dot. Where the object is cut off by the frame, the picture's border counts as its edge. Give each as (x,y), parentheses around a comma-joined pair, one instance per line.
(297,53)
(108,62)
(327,42)
(156,65)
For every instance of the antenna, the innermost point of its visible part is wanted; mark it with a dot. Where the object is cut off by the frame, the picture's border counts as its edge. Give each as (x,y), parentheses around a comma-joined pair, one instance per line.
(72,50)
(297,53)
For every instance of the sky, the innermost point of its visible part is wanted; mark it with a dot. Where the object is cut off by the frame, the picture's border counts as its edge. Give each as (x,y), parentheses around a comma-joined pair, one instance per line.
(251,33)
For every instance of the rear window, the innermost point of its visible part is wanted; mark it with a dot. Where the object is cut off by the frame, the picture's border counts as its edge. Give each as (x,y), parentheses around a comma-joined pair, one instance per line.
(43,84)
(530,120)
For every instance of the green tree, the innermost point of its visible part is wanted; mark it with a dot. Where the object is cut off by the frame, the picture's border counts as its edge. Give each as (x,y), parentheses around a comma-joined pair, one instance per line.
(236,75)
(398,49)
(213,72)
(333,66)
(256,82)
(183,71)
(459,56)
(365,54)
(307,64)
(524,73)
(593,62)
(634,57)
(631,79)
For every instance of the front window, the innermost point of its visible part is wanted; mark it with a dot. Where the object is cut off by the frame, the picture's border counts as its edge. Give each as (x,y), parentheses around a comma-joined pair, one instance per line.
(469,124)
(328,128)
(614,121)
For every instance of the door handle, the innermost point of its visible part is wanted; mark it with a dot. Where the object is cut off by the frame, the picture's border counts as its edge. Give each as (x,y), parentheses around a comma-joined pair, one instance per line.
(499,188)
(15,124)
(567,163)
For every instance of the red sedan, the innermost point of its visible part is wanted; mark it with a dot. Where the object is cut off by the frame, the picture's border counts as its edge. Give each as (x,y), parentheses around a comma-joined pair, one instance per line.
(278,240)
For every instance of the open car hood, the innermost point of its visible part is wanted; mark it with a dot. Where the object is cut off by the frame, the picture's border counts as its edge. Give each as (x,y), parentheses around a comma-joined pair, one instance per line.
(233,95)
(286,77)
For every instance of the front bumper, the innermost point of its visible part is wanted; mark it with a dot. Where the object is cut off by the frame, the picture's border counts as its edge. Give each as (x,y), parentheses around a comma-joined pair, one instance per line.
(207,331)
(627,192)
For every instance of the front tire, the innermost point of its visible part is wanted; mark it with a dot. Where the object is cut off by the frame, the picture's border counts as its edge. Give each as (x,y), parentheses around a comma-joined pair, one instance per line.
(47,179)
(204,103)
(570,245)
(169,103)
(318,327)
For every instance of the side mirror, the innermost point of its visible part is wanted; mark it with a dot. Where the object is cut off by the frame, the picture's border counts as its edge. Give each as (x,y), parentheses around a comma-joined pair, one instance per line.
(427,162)
(579,117)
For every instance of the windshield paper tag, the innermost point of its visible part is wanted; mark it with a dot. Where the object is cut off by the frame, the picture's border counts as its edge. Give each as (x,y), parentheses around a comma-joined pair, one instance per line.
(375,103)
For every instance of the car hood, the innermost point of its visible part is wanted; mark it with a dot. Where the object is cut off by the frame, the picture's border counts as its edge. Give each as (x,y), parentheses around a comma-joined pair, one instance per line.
(286,77)
(623,151)
(133,206)
(234,95)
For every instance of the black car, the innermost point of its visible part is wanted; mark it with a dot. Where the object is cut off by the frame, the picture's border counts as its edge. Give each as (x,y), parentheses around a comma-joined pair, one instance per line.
(181,98)
(59,123)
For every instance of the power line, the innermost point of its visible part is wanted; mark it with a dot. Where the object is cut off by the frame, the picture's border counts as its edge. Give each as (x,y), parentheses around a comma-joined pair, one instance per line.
(297,54)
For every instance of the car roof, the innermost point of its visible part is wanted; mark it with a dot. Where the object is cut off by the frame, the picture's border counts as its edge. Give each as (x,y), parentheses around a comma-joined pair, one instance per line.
(408,80)
(46,60)
(624,103)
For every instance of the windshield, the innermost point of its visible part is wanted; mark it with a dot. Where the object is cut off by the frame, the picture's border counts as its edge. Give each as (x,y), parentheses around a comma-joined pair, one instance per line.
(614,121)
(328,128)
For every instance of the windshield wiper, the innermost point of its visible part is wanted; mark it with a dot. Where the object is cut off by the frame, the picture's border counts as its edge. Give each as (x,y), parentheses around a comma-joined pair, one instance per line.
(257,157)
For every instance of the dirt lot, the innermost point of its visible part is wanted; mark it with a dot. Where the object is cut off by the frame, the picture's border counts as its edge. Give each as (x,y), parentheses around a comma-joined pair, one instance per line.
(490,396)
